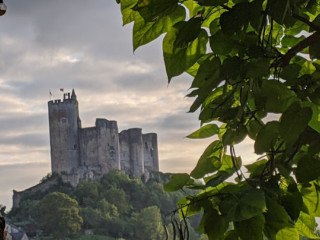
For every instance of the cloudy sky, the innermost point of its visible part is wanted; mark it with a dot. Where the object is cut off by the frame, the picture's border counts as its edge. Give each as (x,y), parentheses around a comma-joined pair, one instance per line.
(48,45)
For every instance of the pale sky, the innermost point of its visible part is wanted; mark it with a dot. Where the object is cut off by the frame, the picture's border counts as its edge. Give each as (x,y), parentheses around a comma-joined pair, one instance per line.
(48,45)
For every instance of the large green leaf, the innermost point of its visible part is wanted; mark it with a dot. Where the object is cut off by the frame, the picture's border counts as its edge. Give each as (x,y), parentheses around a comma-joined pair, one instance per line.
(248,205)
(214,224)
(290,72)
(287,233)
(279,9)
(192,6)
(289,41)
(256,168)
(276,219)
(209,160)
(267,137)
(253,128)
(234,68)
(128,15)
(314,51)
(251,229)
(315,120)
(258,68)
(234,20)
(221,43)
(205,131)
(208,75)
(178,60)
(292,200)
(188,32)
(311,199)
(176,182)
(293,121)
(306,226)
(234,135)
(145,32)
(152,10)
(226,170)
(275,96)
(308,169)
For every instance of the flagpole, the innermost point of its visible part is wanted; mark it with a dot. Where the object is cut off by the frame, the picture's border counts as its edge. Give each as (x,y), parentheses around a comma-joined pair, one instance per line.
(62,90)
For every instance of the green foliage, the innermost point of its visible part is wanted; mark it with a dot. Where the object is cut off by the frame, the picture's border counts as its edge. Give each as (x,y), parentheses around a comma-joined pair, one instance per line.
(148,224)
(59,215)
(109,207)
(263,59)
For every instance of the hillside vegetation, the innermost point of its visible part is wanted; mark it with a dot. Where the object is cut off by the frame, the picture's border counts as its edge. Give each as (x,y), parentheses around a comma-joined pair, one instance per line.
(117,206)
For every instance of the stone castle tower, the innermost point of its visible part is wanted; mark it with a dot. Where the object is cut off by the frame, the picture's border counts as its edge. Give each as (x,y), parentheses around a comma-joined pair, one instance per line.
(88,153)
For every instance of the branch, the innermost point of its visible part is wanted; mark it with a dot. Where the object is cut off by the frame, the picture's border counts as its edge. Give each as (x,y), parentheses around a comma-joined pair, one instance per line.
(299,47)
(306,21)
(285,59)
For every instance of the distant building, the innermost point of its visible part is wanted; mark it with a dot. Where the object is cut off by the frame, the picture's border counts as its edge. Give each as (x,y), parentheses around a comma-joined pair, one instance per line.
(15,233)
(88,153)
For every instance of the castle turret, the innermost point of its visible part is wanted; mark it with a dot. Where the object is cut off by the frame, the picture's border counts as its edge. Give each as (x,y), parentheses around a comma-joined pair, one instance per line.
(150,153)
(64,125)
(132,161)
(100,146)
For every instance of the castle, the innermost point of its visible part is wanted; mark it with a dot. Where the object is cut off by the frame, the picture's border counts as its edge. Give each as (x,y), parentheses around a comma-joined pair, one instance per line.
(88,153)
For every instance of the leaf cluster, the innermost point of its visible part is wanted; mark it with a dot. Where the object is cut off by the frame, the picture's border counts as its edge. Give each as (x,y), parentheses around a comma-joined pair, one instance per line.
(251,61)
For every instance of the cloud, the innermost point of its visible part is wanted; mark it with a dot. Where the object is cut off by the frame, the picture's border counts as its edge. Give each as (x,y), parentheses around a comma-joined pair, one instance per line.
(48,45)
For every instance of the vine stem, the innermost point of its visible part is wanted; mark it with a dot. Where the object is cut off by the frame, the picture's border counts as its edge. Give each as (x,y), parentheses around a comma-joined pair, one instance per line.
(233,155)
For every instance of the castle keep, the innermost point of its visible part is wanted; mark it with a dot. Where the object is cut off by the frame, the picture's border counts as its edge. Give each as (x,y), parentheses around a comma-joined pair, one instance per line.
(88,153)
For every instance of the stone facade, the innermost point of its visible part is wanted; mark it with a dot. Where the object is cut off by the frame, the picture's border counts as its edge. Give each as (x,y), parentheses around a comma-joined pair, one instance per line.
(88,153)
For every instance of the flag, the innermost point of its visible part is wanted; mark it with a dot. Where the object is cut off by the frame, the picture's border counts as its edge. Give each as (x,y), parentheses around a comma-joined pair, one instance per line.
(50,93)
(61,89)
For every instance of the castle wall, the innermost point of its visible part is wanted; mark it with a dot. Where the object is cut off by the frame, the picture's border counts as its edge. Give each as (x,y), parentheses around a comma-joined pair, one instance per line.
(100,146)
(125,153)
(108,147)
(88,146)
(131,140)
(64,124)
(150,151)
(18,196)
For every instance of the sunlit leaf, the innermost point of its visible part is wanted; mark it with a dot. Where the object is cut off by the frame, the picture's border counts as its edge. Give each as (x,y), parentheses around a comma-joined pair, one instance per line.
(177,181)
(145,32)
(209,160)
(306,226)
(177,60)
(205,131)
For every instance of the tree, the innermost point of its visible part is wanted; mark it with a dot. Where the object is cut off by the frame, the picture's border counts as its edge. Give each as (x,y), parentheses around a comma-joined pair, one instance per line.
(249,59)
(59,215)
(148,224)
